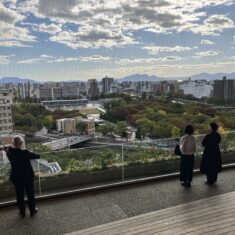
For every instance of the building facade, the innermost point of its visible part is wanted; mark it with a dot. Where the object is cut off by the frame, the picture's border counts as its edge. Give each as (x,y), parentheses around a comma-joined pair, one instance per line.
(69,125)
(6,124)
(93,89)
(224,89)
(198,89)
(107,84)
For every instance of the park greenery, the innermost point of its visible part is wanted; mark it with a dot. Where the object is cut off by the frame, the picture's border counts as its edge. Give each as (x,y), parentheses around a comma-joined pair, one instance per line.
(109,157)
(29,118)
(86,160)
(153,117)
(162,118)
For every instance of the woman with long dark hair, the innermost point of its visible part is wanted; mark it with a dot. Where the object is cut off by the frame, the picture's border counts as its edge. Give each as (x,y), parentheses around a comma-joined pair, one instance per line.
(211,162)
(188,149)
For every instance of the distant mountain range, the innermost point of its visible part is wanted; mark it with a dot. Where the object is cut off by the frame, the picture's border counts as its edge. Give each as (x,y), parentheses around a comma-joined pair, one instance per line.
(204,76)
(15,80)
(137,77)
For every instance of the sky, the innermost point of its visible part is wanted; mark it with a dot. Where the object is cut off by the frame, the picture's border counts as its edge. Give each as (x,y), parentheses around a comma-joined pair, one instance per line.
(83,39)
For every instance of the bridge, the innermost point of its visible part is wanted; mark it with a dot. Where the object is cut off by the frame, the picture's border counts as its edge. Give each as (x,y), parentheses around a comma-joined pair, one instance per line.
(66,142)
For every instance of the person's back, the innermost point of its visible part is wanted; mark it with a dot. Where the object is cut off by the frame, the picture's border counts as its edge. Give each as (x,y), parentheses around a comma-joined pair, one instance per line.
(188,148)
(20,163)
(211,142)
(211,162)
(22,175)
(188,144)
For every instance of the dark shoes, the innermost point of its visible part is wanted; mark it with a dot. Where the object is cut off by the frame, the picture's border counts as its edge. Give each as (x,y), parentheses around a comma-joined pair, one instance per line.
(186,184)
(209,183)
(33,212)
(22,214)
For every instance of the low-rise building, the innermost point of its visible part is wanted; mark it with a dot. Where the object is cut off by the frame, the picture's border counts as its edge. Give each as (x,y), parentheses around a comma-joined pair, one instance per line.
(198,89)
(89,124)
(69,125)
(65,104)
(66,125)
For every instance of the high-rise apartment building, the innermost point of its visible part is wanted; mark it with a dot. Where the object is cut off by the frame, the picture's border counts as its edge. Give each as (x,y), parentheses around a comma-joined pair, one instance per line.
(6,125)
(224,89)
(107,84)
(93,89)
(70,92)
(45,93)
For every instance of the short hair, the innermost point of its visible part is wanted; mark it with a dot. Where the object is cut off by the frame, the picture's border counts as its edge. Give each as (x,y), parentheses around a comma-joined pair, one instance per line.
(17,140)
(189,129)
(214,126)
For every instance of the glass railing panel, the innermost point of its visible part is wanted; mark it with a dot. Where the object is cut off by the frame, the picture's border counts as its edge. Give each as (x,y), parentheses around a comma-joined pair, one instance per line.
(143,160)
(6,187)
(71,169)
(79,168)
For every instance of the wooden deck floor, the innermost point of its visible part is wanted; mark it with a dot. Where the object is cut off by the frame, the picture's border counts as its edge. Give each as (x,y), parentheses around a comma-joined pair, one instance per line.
(211,216)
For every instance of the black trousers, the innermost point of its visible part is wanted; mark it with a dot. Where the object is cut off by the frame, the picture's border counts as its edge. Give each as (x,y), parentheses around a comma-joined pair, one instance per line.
(21,187)
(186,167)
(212,176)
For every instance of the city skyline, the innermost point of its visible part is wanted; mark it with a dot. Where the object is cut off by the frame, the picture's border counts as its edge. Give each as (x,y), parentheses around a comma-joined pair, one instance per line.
(79,40)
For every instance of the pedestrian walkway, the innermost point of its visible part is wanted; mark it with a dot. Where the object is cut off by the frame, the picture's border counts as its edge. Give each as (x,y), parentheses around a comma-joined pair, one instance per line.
(74,213)
(211,216)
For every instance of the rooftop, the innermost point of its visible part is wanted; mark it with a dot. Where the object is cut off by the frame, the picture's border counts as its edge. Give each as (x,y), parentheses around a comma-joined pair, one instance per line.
(75,213)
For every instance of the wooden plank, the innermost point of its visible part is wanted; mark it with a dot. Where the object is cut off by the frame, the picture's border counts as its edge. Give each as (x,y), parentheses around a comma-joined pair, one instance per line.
(202,226)
(200,216)
(153,216)
(186,225)
(216,230)
(166,220)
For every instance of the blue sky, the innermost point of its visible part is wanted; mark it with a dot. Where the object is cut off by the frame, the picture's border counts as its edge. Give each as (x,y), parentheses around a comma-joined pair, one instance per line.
(82,39)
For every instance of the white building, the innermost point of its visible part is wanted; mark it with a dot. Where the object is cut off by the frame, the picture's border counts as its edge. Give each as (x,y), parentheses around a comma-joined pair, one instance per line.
(197,89)
(66,125)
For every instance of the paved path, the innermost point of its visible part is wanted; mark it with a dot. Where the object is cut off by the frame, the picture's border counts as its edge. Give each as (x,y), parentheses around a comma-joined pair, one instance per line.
(213,215)
(69,214)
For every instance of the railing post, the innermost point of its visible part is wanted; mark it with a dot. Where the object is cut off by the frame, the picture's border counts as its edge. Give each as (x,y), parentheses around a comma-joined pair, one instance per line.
(39,181)
(123,173)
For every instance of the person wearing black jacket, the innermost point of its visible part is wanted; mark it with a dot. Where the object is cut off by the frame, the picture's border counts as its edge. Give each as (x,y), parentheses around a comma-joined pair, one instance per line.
(22,175)
(211,162)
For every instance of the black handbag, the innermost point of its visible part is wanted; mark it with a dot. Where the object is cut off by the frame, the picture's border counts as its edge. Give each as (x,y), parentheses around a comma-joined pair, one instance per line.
(177,150)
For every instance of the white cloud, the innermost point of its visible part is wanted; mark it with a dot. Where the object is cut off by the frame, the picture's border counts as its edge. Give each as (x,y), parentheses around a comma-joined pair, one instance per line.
(47,59)
(8,15)
(10,34)
(206,53)
(104,23)
(148,61)
(12,44)
(206,42)
(5,59)
(50,29)
(213,25)
(95,58)
(63,59)
(157,49)
(92,38)
(44,56)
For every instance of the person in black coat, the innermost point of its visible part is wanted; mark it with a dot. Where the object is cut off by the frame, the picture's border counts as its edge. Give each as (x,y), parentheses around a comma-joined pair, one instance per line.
(211,162)
(22,175)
